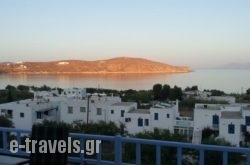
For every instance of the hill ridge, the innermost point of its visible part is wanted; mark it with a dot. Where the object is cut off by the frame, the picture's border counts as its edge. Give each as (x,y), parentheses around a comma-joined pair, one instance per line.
(113,65)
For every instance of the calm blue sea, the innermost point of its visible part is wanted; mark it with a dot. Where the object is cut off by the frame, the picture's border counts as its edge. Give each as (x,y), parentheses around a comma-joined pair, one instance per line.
(230,81)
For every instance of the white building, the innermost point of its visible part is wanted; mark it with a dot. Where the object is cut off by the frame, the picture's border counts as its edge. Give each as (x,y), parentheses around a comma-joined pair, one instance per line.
(229,99)
(160,116)
(232,121)
(76,109)
(67,107)
(206,95)
(118,111)
(164,115)
(75,105)
(27,112)
(197,94)
(230,126)
(138,121)
(77,93)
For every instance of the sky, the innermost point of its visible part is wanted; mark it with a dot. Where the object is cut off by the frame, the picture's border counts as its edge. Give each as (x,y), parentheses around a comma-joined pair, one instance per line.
(195,33)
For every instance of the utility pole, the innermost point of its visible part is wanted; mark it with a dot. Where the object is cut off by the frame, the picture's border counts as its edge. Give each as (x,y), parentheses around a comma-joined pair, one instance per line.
(88,96)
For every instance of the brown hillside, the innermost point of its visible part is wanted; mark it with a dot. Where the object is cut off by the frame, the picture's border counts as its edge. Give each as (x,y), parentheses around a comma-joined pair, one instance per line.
(115,65)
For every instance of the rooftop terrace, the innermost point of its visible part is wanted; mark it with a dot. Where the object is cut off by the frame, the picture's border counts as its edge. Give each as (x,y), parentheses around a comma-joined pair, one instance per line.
(207,106)
(142,111)
(123,104)
(231,115)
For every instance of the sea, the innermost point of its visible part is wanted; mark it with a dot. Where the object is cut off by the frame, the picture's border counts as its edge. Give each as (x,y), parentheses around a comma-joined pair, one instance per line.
(229,81)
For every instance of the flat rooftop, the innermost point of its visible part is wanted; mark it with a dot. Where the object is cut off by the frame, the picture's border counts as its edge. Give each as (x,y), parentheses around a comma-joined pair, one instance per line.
(141,111)
(163,105)
(123,104)
(247,107)
(207,106)
(231,115)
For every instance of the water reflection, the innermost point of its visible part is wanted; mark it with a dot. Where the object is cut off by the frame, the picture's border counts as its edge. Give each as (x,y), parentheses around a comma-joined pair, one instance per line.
(227,80)
(114,81)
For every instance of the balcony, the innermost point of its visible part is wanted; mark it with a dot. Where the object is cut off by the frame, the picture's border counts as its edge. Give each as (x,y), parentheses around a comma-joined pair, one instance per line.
(45,117)
(118,150)
(184,123)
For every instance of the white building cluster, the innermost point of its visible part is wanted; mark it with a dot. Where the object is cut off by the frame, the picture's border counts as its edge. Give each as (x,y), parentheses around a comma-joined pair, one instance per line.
(206,95)
(73,105)
(231,120)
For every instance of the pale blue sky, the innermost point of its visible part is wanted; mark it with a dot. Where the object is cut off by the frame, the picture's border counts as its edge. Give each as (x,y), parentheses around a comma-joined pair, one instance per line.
(201,33)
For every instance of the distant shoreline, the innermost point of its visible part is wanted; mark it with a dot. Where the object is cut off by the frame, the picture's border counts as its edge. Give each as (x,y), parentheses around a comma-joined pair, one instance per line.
(88,73)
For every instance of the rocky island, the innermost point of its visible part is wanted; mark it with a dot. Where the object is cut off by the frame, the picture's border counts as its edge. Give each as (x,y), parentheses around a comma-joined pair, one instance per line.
(114,65)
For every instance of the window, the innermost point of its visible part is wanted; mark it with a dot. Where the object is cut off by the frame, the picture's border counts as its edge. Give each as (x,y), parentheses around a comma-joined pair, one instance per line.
(167,115)
(156,116)
(98,111)
(70,109)
(82,109)
(122,113)
(231,128)
(247,120)
(38,115)
(127,120)
(92,101)
(215,119)
(9,113)
(46,112)
(140,122)
(21,114)
(243,128)
(112,111)
(3,111)
(146,122)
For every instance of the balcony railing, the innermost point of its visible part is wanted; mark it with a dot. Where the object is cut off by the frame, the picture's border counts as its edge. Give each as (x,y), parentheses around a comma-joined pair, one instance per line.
(118,151)
(45,117)
(184,123)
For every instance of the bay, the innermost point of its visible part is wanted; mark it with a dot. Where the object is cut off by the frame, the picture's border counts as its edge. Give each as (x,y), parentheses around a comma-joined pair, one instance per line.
(230,81)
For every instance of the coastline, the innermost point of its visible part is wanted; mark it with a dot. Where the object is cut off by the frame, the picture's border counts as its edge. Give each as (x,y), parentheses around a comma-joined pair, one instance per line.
(88,73)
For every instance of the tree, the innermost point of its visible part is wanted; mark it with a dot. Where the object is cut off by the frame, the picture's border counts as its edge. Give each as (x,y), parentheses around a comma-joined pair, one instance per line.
(23,88)
(157,88)
(5,122)
(208,133)
(194,88)
(175,93)
(60,90)
(165,92)
(10,96)
(45,88)
(248,91)
(215,92)
(10,87)
(100,128)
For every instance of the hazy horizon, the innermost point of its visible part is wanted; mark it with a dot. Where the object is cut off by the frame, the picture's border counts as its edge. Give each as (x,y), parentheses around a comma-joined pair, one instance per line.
(199,34)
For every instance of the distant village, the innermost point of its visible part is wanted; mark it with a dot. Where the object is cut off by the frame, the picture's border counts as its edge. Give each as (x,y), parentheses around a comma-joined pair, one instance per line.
(231,119)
